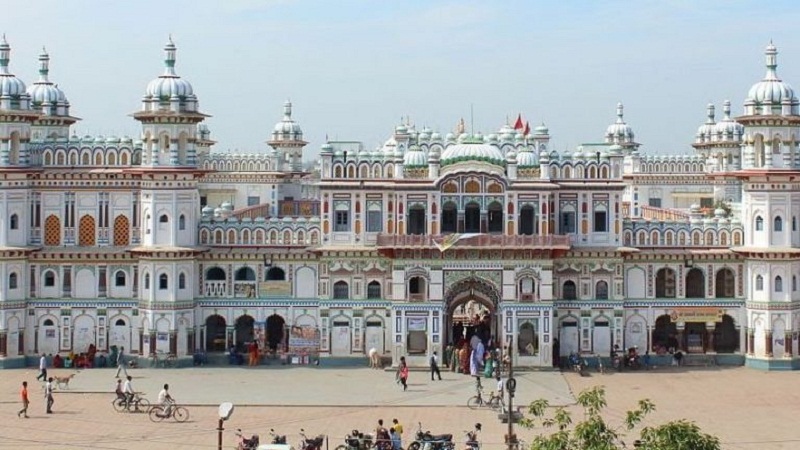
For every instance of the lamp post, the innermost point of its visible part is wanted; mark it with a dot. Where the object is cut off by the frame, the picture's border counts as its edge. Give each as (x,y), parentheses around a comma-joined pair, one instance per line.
(511,386)
(225,411)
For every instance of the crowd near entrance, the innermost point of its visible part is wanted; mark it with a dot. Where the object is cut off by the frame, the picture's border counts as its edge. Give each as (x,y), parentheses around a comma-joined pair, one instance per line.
(695,337)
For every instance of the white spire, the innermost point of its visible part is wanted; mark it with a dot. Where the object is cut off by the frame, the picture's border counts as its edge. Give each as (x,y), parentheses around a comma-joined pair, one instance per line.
(619,113)
(44,66)
(5,55)
(169,58)
(710,114)
(771,53)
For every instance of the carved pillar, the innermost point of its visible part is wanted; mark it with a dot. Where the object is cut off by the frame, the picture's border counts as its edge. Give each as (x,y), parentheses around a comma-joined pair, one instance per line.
(152,348)
(708,345)
(681,343)
(768,342)
(751,341)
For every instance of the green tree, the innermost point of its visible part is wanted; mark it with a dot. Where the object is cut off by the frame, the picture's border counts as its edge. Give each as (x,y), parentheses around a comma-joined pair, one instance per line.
(594,433)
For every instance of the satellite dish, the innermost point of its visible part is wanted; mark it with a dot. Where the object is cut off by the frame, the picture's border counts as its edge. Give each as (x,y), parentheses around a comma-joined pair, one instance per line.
(225,410)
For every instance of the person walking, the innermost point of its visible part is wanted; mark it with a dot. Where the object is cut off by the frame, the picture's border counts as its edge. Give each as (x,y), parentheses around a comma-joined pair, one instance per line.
(435,366)
(48,395)
(42,368)
(121,363)
(23,393)
(402,373)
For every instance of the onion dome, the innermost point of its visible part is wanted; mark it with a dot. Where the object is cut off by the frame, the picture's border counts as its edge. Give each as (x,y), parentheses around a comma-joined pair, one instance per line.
(170,88)
(287,129)
(771,90)
(511,157)
(11,87)
(450,137)
(728,129)
(615,150)
(541,130)
(506,133)
(436,137)
(706,130)
(415,157)
(326,149)
(526,158)
(388,148)
(472,151)
(433,155)
(45,96)
(619,132)
(424,135)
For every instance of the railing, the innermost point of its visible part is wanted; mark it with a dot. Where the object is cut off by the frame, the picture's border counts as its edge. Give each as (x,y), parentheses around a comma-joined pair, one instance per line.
(286,208)
(471,241)
(215,289)
(670,215)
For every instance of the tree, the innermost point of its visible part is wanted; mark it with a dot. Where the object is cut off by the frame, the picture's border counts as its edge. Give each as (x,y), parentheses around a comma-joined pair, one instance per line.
(594,433)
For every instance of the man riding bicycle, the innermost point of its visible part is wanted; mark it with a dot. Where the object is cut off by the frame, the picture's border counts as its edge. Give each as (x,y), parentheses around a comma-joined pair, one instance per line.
(166,401)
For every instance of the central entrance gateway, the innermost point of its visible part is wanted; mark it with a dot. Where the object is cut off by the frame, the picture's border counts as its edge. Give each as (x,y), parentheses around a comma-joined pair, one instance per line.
(471,310)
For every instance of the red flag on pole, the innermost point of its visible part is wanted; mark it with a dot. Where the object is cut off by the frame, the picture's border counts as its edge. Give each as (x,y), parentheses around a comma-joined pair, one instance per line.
(518,124)
(527,128)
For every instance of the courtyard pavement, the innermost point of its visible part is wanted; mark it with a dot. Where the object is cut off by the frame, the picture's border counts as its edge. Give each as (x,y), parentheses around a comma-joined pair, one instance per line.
(747,409)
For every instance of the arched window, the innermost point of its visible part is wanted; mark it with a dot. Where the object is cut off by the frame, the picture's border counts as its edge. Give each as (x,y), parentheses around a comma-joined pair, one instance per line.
(416,287)
(147,281)
(601,290)
(163,219)
(665,283)
(341,290)
(182,222)
(778,224)
(163,281)
(245,274)
(759,283)
(12,281)
(49,278)
(276,274)
(778,284)
(569,290)
(759,223)
(182,281)
(119,278)
(13,222)
(373,290)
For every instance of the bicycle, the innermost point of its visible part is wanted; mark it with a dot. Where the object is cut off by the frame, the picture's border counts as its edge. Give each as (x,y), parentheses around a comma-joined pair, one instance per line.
(178,413)
(477,400)
(139,403)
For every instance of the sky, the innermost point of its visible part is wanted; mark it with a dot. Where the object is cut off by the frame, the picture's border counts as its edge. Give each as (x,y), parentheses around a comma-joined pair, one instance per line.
(353,68)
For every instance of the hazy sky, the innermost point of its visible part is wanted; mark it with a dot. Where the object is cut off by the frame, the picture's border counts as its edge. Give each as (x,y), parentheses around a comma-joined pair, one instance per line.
(352,68)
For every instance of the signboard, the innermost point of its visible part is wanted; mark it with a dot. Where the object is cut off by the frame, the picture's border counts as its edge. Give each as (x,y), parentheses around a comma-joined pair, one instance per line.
(417,323)
(275,288)
(696,315)
(303,339)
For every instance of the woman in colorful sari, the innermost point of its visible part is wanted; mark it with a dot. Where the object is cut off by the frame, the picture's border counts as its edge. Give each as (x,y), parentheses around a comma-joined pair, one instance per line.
(463,358)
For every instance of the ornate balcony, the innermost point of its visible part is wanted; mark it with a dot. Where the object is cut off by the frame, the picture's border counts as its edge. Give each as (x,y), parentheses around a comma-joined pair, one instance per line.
(472,241)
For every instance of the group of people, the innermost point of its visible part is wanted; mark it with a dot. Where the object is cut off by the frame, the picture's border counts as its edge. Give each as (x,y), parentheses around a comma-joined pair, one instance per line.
(48,397)
(391,439)
(126,393)
(472,357)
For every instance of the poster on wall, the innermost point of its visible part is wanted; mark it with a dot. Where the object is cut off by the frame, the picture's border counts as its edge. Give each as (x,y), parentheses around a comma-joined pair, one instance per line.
(417,323)
(303,339)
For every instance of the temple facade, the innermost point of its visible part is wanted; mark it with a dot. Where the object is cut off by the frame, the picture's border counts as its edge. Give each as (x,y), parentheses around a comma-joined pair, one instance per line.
(163,245)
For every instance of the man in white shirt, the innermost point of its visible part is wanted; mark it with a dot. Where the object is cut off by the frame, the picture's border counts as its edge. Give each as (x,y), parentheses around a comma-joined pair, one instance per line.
(121,363)
(127,389)
(165,400)
(48,395)
(42,368)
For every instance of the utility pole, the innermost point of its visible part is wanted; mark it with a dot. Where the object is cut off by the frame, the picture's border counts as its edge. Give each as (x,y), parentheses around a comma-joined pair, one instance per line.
(511,386)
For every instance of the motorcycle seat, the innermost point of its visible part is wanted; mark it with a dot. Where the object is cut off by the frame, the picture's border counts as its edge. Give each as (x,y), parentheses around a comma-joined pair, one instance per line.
(442,437)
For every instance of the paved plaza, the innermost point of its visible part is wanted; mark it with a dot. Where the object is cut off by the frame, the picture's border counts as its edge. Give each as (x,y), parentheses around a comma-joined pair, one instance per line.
(739,405)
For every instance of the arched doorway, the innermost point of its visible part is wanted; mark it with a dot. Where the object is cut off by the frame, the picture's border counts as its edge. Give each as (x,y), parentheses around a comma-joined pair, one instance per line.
(471,309)
(695,284)
(665,283)
(275,331)
(215,333)
(472,218)
(244,331)
(665,334)
(726,338)
(495,218)
(725,284)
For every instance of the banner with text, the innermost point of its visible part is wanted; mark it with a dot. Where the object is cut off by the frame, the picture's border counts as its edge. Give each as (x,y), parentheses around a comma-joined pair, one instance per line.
(696,315)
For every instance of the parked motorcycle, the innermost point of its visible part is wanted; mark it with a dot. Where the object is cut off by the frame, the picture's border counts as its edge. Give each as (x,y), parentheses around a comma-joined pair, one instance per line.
(424,440)
(356,440)
(277,438)
(244,443)
(307,443)
(576,362)
(472,438)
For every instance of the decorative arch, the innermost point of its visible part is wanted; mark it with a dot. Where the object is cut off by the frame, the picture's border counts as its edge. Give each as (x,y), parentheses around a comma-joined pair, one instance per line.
(121,231)
(489,295)
(52,231)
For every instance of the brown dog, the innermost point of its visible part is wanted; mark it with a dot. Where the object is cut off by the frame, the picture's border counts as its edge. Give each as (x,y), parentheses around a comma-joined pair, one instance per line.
(63,382)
